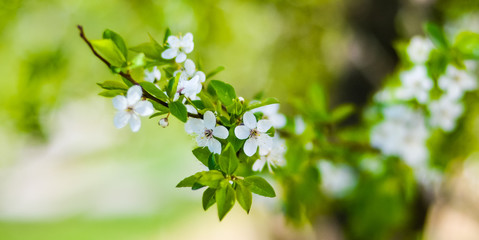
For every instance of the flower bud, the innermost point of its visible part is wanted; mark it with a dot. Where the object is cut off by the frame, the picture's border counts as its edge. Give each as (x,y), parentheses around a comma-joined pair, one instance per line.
(241,100)
(163,122)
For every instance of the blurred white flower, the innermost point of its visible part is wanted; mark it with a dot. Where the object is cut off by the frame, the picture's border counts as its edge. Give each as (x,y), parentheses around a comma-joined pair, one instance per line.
(130,108)
(402,133)
(444,113)
(178,47)
(152,75)
(336,181)
(419,49)
(455,82)
(188,71)
(271,112)
(206,130)
(274,158)
(255,133)
(189,88)
(415,84)
(299,125)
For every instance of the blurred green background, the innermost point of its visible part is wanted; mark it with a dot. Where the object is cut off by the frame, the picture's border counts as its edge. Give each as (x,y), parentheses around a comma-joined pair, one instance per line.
(67,173)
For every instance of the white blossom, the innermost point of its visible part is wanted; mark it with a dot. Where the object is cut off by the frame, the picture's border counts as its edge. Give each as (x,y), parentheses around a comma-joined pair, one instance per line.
(255,134)
(274,158)
(455,82)
(419,49)
(402,133)
(178,47)
(415,84)
(271,112)
(189,88)
(336,180)
(130,108)
(152,75)
(444,113)
(188,71)
(299,125)
(205,129)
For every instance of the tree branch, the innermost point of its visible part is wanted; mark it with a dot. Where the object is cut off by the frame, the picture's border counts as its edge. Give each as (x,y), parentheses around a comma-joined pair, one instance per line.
(126,75)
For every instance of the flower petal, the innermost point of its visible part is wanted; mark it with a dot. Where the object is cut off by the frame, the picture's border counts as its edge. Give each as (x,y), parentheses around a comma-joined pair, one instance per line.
(202,140)
(264,125)
(190,67)
(242,132)
(119,103)
(173,41)
(121,119)
(133,95)
(169,53)
(181,57)
(135,123)
(250,147)
(214,146)
(201,75)
(194,125)
(220,132)
(191,109)
(265,144)
(249,120)
(209,119)
(144,108)
(188,37)
(259,164)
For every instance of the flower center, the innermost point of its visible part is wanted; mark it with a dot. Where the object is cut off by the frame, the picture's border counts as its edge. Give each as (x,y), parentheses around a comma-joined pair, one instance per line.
(253,133)
(209,133)
(129,109)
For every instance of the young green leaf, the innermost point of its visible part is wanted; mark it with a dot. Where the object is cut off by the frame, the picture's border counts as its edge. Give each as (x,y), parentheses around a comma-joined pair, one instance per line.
(209,198)
(154,90)
(228,161)
(108,49)
(225,92)
(167,34)
(225,199)
(244,196)
(189,181)
(342,112)
(259,186)
(113,85)
(436,34)
(214,72)
(178,110)
(202,154)
(468,44)
(157,114)
(159,107)
(211,178)
(265,102)
(118,40)
(212,162)
(173,85)
(137,61)
(112,93)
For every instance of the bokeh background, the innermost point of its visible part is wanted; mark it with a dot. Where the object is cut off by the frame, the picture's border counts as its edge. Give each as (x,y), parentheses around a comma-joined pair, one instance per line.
(67,173)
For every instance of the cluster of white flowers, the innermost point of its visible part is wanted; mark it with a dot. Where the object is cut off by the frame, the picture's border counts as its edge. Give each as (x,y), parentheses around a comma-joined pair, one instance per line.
(205,129)
(178,47)
(403,133)
(336,180)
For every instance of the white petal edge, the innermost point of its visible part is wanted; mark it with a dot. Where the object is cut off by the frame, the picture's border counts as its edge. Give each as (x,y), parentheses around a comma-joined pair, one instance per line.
(242,132)
(119,103)
(264,125)
(214,146)
(169,53)
(144,108)
(249,120)
(194,125)
(259,164)
(135,123)
(250,147)
(133,95)
(209,120)
(220,132)
(121,119)
(190,67)
(181,57)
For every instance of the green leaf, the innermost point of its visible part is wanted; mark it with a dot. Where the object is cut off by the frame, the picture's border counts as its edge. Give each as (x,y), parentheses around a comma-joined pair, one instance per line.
(209,198)
(172,86)
(211,162)
(202,154)
(167,34)
(108,50)
(214,72)
(159,107)
(127,82)
(154,90)
(113,85)
(468,44)
(265,102)
(437,63)
(436,34)
(118,40)
(228,161)
(157,114)
(225,199)
(342,112)
(225,92)
(178,110)
(112,93)
(211,178)
(137,61)
(244,196)
(208,103)
(151,50)
(189,181)
(259,186)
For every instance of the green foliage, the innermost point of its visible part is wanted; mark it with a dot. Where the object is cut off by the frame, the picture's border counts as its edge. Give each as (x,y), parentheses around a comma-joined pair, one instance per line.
(151,49)
(108,50)
(154,90)
(467,43)
(244,196)
(118,40)
(178,110)
(225,199)
(259,186)
(113,85)
(436,34)
(225,92)
(264,102)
